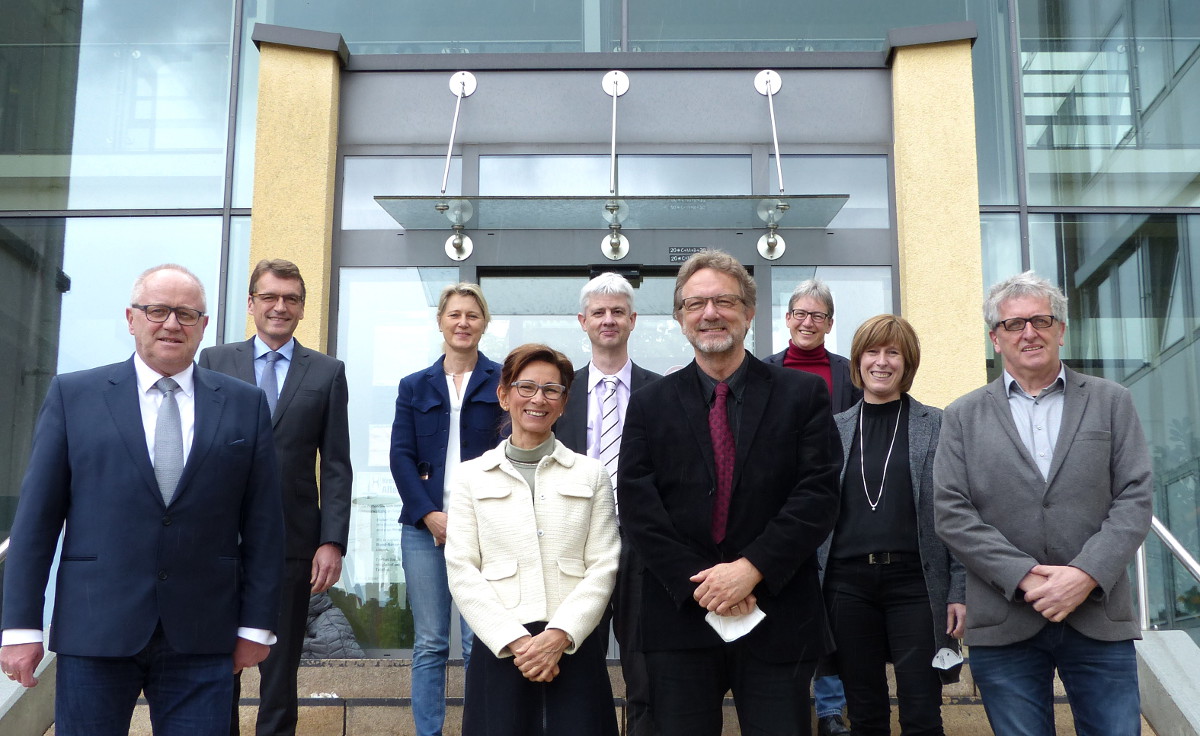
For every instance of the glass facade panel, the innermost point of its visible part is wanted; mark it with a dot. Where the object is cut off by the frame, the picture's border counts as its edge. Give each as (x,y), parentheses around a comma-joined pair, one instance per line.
(237,280)
(859,292)
(1107,102)
(367,177)
(387,328)
(864,178)
(104,256)
(152,105)
(582,176)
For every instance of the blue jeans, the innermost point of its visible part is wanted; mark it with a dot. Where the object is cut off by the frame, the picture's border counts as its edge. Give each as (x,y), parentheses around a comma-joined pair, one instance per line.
(1100,677)
(188,694)
(829,695)
(429,597)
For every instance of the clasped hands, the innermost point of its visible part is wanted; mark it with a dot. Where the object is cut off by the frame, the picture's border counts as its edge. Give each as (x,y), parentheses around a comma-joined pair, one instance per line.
(1056,590)
(727,589)
(537,656)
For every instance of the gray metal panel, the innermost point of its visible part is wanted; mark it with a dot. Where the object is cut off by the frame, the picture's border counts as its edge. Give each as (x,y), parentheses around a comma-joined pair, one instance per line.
(813,106)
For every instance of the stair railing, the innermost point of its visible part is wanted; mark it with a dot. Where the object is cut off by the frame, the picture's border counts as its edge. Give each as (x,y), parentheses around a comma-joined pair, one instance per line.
(1177,550)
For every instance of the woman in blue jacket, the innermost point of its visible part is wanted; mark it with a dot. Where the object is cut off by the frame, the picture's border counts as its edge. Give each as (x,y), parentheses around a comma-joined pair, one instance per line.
(445,414)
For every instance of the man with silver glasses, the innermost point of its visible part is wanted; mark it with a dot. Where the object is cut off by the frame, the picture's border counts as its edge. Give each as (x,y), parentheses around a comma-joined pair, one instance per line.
(1043,491)
(164,476)
(727,485)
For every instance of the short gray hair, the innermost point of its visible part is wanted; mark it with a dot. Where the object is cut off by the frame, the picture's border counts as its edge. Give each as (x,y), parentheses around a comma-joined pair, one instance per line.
(816,289)
(135,296)
(1027,284)
(606,284)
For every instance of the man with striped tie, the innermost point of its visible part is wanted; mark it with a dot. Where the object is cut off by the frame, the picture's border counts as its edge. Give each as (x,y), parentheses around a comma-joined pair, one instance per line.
(591,424)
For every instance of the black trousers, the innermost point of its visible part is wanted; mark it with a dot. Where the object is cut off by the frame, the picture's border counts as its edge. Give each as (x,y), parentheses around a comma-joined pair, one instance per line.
(627,606)
(277,673)
(578,702)
(687,688)
(880,614)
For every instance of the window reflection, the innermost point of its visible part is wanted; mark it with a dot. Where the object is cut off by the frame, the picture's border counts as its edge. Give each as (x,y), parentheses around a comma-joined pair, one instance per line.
(638,176)
(864,178)
(366,177)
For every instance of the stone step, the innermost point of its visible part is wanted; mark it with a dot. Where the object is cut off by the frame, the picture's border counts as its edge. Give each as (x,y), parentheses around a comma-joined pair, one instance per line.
(370,697)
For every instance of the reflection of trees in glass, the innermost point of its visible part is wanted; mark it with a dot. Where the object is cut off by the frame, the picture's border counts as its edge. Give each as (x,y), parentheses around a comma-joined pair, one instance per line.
(1176,463)
(378,626)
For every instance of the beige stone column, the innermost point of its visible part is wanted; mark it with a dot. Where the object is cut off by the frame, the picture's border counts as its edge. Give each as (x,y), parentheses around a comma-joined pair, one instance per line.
(937,215)
(295,161)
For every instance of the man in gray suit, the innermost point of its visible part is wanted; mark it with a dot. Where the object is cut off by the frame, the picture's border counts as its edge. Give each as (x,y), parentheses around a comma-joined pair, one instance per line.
(1043,491)
(307,394)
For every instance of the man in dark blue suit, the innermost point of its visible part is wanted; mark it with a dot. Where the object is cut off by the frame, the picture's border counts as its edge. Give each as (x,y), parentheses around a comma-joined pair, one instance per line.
(164,475)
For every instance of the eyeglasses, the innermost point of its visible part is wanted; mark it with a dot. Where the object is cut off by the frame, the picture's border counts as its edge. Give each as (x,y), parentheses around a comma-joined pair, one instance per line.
(161,313)
(292,300)
(723,302)
(529,389)
(1039,322)
(817,317)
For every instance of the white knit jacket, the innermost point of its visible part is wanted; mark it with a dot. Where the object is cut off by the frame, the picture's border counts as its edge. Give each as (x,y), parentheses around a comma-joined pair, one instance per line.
(513,559)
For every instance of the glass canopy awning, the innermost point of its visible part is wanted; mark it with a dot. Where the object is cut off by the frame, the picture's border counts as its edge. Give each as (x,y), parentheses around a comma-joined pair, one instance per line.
(630,213)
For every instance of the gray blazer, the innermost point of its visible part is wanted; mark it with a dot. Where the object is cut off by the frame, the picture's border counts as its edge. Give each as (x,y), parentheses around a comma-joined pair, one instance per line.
(1000,518)
(945,577)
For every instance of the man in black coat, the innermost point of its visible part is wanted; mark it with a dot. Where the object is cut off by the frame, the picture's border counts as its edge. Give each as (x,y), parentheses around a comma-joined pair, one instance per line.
(307,393)
(727,487)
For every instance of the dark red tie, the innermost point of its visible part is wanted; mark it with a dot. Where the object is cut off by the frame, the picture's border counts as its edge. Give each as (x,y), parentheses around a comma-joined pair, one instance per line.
(723,454)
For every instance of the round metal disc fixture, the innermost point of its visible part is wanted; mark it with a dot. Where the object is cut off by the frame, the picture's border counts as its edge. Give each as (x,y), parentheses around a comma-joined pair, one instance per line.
(462,82)
(615,210)
(459,247)
(617,79)
(772,210)
(614,253)
(767,75)
(767,251)
(457,211)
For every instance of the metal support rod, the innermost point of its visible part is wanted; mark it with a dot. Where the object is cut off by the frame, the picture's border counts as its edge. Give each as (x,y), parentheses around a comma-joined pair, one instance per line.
(462,84)
(775,134)
(1176,547)
(614,84)
(1143,588)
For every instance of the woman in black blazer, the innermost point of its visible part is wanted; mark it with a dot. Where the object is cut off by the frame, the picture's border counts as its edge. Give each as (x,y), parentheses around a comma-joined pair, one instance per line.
(893,591)
(445,414)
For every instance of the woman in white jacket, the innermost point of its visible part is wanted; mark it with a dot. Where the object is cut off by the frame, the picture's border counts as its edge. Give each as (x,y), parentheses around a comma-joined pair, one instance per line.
(531,552)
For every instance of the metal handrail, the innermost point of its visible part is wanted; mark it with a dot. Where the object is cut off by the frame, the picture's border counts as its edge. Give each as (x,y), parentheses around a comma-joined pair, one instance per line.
(1176,548)
(4,549)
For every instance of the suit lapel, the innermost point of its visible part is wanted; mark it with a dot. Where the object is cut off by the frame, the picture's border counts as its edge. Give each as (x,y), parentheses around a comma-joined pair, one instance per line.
(479,376)
(1075,398)
(847,424)
(124,406)
(756,395)
(243,362)
(695,408)
(1003,415)
(919,436)
(210,404)
(301,360)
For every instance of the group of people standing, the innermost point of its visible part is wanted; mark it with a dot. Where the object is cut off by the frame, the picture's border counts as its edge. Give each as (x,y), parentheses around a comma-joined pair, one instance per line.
(753,523)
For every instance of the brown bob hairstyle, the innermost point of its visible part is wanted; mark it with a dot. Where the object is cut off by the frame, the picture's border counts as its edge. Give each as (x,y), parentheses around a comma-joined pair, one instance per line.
(533,352)
(882,330)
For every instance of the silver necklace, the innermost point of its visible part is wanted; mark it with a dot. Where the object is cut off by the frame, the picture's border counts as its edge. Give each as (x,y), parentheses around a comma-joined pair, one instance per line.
(862,468)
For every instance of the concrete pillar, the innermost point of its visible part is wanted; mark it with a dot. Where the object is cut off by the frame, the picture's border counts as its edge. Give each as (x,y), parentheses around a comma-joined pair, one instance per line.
(295,160)
(937,213)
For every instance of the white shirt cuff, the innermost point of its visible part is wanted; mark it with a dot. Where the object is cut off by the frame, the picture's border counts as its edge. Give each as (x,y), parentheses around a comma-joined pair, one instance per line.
(20,636)
(260,636)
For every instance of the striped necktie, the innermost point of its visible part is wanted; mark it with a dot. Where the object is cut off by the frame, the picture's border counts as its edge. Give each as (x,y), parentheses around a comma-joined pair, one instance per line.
(610,429)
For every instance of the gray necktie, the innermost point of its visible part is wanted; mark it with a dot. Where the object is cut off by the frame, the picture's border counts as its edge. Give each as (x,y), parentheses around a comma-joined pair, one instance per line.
(270,383)
(168,441)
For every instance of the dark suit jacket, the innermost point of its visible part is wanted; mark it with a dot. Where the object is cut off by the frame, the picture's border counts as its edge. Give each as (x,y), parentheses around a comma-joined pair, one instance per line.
(571,427)
(203,566)
(1000,517)
(845,394)
(945,578)
(784,503)
(421,432)
(310,417)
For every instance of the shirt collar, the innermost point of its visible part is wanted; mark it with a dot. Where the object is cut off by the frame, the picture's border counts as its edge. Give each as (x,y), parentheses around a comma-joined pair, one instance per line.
(147,376)
(625,375)
(736,381)
(261,348)
(1011,385)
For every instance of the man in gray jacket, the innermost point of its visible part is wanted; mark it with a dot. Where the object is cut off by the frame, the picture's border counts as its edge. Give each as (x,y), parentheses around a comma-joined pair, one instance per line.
(1043,491)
